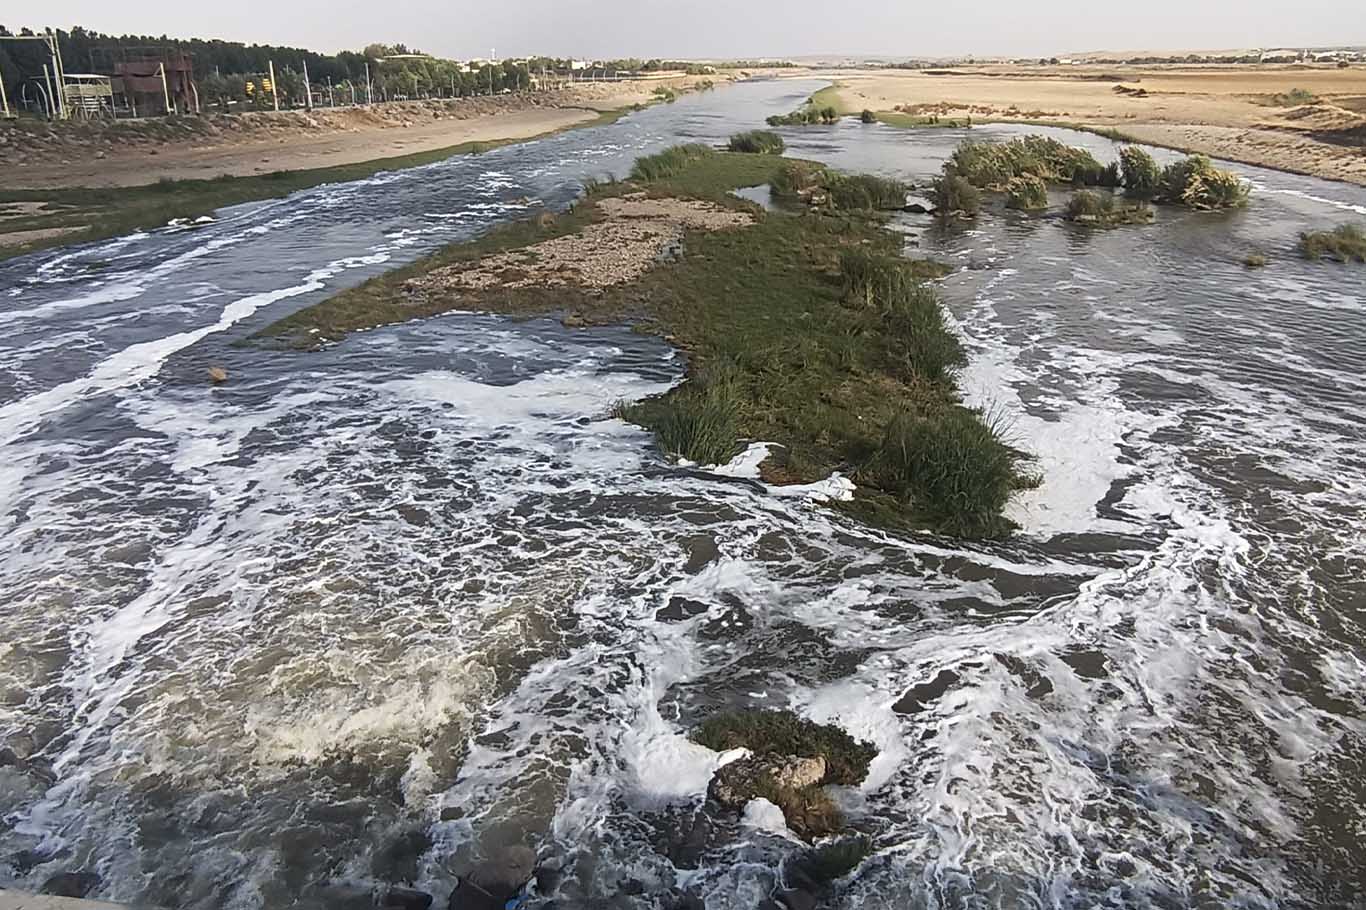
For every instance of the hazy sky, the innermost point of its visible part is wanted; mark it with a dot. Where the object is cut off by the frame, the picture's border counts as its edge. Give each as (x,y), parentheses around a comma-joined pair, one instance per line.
(730,28)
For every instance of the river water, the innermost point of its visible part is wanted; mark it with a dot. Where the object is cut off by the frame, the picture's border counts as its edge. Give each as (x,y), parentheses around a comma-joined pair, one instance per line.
(353,616)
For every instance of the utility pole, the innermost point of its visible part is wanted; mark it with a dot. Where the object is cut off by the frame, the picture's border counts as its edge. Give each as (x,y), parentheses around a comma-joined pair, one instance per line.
(369,92)
(165,90)
(493,55)
(331,99)
(308,89)
(58,74)
(274,89)
(4,99)
(47,77)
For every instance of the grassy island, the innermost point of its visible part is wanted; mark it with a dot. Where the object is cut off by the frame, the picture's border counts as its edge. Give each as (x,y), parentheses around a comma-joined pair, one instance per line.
(806,329)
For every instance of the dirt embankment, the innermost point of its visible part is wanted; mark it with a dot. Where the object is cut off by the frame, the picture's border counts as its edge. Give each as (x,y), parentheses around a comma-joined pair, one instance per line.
(1308,119)
(135,152)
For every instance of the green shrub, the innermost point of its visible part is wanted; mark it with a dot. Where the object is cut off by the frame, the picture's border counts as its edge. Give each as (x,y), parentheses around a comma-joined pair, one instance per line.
(1255,260)
(1197,183)
(867,116)
(797,177)
(800,117)
(1141,175)
(953,195)
(758,142)
(1093,207)
(1088,204)
(829,115)
(670,162)
(991,165)
(1295,97)
(1343,244)
(1028,193)
(952,466)
(865,192)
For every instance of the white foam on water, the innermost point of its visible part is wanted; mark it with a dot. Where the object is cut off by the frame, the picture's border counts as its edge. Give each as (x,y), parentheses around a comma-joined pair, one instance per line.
(764,816)
(142,361)
(1301,194)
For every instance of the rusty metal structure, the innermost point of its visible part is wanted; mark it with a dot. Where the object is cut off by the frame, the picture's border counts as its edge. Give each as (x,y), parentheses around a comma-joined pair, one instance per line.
(151,85)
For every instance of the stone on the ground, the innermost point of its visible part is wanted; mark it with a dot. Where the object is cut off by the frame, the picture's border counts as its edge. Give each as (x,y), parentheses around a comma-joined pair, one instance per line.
(492,883)
(71,884)
(406,899)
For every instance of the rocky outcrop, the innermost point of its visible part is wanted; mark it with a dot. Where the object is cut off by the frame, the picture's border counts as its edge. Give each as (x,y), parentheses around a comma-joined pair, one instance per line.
(790,761)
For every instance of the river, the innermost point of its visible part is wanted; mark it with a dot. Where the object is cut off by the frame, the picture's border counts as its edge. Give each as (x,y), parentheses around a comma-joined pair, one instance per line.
(352,615)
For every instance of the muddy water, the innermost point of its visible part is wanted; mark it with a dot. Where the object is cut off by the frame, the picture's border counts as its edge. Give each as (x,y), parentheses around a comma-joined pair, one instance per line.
(350,616)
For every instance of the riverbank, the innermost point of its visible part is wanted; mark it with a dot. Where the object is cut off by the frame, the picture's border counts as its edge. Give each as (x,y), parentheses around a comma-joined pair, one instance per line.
(809,337)
(1302,119)
(39,155)
(85,182)
(41,218)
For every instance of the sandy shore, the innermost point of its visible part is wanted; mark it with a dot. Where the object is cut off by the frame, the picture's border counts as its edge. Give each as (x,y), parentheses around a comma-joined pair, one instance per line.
(1244,113)
(133,153)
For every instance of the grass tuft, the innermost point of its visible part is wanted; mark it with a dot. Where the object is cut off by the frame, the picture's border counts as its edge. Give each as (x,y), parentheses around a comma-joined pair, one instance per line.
(758,142)
(669,163)
(991,165)
(796,178)
(1028,193)
(1342,244)
(1195,182)
(954,195)
(698,422)
(953,465)
(1140,174)
(865,192)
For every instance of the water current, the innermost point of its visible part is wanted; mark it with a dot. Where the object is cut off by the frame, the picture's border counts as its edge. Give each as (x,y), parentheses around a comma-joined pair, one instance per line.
(354,616)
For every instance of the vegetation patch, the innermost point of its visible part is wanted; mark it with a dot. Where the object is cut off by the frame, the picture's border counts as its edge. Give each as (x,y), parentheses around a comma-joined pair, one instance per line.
(824,107)
(95,213)
(700,422)
(1140,174)
(1255,260)
(1198,184)
(785,733)
(991,165)
(1028,193)
(864,192)
(671,162)
(804,329)
(1100,208)
(954,196)
(953,465)
(1342,244)
(758,142)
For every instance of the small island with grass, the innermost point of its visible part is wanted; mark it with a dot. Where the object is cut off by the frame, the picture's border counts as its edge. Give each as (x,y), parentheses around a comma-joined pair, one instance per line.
(805,329)
(1022,170)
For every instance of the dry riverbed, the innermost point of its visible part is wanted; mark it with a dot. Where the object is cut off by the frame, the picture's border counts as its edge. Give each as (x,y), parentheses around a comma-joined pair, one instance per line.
(1307,119)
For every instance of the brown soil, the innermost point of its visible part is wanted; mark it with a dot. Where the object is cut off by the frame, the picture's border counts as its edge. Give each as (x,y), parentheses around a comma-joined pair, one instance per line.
(635,232)
(20,238)
(1230,112)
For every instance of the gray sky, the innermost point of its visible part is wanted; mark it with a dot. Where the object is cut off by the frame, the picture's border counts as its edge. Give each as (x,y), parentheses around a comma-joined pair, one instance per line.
(732,28)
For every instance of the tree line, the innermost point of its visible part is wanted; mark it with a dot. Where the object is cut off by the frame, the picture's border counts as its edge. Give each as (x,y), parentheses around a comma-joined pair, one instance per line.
(223,69)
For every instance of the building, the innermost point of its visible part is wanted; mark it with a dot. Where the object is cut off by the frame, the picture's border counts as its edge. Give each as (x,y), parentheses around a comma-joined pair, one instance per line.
(154,86)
